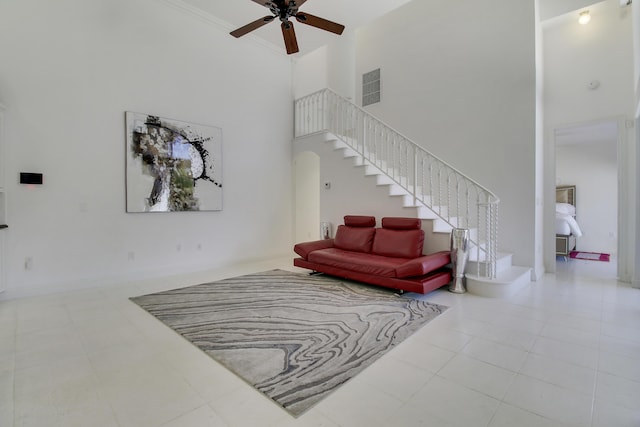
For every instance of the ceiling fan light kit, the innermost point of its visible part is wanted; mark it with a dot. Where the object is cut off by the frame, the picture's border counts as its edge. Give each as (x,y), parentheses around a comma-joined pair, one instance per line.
(284,10)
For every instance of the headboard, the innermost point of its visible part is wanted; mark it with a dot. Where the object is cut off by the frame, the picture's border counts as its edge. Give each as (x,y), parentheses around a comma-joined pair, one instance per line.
(566,194)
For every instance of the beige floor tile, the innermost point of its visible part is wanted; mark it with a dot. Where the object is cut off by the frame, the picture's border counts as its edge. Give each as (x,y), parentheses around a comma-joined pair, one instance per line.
(539,358)
(563,374)
(502,356)
(477,375)
(455,403)
(550,401)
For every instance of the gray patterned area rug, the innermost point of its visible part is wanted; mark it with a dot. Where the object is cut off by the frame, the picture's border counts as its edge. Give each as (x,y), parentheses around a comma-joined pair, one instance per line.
(294,337)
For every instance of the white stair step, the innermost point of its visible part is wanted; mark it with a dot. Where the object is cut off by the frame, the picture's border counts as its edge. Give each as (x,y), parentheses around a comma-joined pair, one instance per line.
(349,153)
(503,261)
(409,200)
(506,283)
(371,170)
(338,144)
(384,180)
(423,212)
(358,161)
(396,190)
(439,226)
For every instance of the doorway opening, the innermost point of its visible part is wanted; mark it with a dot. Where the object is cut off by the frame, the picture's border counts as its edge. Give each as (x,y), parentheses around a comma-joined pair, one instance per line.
(587,157)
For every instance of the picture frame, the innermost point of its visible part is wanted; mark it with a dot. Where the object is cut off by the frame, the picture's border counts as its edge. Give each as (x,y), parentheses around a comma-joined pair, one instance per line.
(172,165)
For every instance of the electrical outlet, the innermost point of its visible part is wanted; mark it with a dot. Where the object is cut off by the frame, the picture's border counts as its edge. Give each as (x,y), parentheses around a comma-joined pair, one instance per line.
(131,256)
(178,248)
(199,246)
(28,263)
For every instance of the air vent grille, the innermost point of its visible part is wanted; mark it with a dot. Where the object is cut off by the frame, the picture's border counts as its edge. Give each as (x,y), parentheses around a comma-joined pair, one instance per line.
(371,87)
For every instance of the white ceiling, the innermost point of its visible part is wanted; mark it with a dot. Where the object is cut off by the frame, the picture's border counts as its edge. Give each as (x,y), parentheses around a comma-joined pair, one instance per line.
(552,8)
(603,132)
(351,14)
(354,13)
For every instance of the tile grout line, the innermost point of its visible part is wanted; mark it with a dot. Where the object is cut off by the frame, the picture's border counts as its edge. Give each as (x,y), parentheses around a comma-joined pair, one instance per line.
(595,383)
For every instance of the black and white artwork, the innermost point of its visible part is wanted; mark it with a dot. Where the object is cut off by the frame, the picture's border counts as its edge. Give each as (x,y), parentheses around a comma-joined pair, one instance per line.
(172,165)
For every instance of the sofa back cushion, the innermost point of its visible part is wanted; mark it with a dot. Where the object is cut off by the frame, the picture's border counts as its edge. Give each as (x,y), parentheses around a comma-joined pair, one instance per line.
(356,239)
(399,238)
(401,223)
(359,221)
(357,233)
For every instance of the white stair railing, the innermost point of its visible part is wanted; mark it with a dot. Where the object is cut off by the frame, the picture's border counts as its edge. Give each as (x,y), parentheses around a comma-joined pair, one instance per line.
(455,198)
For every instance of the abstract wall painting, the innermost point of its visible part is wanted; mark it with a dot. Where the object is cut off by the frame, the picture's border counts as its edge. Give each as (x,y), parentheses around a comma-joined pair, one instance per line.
(172,166)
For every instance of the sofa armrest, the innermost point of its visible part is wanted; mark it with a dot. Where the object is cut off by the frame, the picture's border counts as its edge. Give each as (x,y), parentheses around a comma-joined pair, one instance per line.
(424,264)
(305,248)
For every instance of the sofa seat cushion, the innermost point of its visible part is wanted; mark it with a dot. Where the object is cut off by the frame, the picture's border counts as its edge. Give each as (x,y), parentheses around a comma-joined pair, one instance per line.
(424,265)
(357,261)
(305,248)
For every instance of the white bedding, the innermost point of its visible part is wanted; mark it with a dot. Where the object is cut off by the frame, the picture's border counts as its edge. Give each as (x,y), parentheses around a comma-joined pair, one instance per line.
(565,220)
(566,224)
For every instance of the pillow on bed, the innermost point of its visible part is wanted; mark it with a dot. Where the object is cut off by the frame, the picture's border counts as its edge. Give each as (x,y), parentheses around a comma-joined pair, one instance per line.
(565,209)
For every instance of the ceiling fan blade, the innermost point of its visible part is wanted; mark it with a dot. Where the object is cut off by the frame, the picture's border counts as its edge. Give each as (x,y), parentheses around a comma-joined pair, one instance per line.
(300,2)
(289,35)
(323,24)
(251,26)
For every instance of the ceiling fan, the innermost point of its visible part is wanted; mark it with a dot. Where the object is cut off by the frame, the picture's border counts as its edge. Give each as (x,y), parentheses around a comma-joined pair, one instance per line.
(283,10)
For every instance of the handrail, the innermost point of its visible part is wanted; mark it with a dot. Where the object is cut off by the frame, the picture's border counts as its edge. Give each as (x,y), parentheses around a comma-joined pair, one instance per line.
(431,182)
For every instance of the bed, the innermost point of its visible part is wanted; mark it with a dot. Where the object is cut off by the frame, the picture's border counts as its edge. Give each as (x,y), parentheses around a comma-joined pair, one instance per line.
(567,228)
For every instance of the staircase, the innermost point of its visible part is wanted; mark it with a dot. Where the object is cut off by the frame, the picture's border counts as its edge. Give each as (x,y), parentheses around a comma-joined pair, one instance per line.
(433,190)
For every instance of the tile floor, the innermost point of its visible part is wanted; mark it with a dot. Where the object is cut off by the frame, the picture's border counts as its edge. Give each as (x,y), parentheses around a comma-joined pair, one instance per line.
(563,352)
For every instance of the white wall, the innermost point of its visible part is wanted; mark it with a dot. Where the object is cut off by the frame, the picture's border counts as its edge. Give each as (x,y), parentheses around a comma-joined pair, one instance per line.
(331,66)
(538,267)
(635,12)
(2,201)
(460,80)
(341,57)
(310,73)
(69,71)
(306,173)
(635,223)
(575,55)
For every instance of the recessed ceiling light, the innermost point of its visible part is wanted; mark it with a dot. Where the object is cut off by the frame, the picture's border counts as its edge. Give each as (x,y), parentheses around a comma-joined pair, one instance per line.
(584,18)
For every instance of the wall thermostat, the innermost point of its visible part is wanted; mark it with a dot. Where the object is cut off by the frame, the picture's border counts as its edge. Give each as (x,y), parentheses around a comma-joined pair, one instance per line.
(30,178)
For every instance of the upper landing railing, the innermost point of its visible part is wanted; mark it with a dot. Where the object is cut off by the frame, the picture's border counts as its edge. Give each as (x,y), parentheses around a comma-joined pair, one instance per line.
(455,198)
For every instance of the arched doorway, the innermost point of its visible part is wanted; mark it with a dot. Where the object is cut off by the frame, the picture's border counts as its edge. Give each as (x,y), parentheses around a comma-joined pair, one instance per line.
(306,178)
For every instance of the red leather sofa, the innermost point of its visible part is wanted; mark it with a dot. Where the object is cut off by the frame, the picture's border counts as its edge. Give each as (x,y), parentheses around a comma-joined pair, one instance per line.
(390,256)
